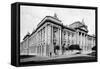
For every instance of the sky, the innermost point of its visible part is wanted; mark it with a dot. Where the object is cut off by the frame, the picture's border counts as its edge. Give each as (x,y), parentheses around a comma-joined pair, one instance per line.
(32,15)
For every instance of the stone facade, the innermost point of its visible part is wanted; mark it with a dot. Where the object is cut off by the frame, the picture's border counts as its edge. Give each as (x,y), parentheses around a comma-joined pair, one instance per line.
(51,37)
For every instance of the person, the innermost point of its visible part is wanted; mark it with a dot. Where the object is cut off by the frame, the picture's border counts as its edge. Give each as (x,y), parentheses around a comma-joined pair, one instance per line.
(50,54)
(63,48)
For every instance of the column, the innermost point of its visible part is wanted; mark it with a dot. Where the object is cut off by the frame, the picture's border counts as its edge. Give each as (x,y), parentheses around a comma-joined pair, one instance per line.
(81,40)
(94,42)
(52,40)
(77,38)
(70,38)
(41,42)
(84,41)
(87,43)
(60,41)
(45,40)
(91,42)
(49,40)
(74,39)
(28,46)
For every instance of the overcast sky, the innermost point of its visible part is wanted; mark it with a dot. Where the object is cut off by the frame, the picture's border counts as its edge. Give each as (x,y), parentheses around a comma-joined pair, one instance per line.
(32,15)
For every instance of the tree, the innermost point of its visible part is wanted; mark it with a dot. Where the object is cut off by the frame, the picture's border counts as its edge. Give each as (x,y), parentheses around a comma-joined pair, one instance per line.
(74,47)
(94,48)
(57,47)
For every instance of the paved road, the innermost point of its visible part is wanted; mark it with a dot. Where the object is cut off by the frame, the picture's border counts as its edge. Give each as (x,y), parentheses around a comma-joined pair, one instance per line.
(58,58)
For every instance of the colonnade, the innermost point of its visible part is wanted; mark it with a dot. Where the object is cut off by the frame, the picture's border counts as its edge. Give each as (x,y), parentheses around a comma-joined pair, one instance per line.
(43,42)
(83,41)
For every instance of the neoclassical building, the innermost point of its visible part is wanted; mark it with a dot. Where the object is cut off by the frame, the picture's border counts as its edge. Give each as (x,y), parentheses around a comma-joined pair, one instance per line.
(51,36)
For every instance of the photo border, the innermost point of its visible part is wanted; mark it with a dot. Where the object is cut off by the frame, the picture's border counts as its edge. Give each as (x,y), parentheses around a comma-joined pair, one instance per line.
(15,32)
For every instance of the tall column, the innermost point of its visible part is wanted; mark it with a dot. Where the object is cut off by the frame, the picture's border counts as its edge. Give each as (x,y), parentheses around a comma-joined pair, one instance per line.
(44,43)
(94,42)
(41,44)
(60,41)
(87,43)
(45,50)
(47,41)
(52,46)
(91,42)
(52,40)
(70,38)
(84,41)
(77,38)
(81,40)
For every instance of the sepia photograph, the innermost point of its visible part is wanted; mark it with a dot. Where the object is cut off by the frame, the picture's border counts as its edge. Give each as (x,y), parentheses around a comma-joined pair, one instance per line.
(53,34)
